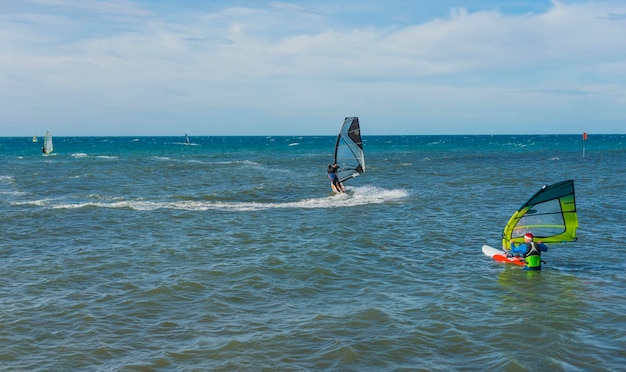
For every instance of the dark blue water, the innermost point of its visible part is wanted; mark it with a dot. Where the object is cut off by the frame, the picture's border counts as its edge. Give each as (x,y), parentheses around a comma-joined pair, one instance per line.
(122,253)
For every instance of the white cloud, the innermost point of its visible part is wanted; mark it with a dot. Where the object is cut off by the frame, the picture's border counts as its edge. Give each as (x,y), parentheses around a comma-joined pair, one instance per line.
(113,7)
(481,67)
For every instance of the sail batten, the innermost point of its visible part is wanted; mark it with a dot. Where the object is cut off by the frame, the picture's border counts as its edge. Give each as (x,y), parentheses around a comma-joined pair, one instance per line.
(550,215)
(349,150)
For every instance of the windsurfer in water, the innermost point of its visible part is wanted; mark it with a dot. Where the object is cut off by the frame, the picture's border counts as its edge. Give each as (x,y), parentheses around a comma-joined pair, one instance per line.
(531,251)
(334,178)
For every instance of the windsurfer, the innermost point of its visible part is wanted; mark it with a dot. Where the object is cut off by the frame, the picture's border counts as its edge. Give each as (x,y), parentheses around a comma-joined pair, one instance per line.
(334,178)
(531,251)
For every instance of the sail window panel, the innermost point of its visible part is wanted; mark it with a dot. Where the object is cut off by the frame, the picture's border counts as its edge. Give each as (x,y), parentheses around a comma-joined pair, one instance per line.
(542,220)
(346,160)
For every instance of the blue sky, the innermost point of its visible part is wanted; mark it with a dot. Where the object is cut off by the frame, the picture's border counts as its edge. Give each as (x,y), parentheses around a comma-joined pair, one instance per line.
(149,67)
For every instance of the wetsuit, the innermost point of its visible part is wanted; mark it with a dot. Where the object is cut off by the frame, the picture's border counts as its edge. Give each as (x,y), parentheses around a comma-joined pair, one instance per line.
(532,254)
(334,179)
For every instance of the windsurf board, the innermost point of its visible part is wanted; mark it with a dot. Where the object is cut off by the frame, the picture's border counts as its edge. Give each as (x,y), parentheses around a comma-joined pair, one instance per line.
(500,256)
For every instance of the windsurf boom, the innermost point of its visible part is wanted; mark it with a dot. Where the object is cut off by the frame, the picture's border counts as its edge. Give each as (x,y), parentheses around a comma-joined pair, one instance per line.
(349,150)
(550,215)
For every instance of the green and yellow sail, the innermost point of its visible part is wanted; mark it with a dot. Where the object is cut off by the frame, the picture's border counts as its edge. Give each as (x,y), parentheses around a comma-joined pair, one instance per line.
(550,215)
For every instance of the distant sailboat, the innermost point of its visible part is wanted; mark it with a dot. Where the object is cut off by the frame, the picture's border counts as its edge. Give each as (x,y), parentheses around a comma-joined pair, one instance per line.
(34,138)
(47,144)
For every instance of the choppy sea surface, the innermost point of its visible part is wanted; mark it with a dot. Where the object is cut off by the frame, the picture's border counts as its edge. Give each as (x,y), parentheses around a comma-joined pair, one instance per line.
(231,253)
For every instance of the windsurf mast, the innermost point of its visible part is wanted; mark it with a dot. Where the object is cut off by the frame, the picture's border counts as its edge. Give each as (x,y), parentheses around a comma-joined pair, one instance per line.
(550,215)
(349,150)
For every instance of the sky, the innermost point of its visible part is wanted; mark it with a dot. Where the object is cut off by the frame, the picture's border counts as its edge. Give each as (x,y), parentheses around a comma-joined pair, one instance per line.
(231,67)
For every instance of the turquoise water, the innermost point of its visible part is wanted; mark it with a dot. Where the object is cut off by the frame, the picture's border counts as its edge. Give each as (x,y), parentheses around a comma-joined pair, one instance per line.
(123,253)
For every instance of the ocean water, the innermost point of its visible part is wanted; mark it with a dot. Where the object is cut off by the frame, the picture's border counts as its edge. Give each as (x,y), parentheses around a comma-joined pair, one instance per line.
(146,254)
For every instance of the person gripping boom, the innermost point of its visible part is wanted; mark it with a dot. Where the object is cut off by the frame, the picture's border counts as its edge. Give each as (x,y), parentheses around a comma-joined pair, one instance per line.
(531,251)
(334,178)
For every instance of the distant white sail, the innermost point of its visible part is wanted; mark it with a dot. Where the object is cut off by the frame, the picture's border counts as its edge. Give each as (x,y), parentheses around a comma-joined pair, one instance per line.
(47,144)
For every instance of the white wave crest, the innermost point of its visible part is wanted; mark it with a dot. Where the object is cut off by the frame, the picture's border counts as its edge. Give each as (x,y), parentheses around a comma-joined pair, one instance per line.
(108,157)
(355,197)
(9,187)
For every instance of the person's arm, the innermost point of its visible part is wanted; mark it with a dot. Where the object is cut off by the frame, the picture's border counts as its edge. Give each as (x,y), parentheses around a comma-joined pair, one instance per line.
(518,249)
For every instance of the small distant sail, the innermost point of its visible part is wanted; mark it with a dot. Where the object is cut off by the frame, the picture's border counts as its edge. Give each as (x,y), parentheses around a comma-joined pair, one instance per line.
(47,144)
(550,215)
(187,139)
(34,138)
(349,150)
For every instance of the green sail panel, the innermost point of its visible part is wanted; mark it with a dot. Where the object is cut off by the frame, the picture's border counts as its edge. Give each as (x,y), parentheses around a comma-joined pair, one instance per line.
(349,150)
(550,215)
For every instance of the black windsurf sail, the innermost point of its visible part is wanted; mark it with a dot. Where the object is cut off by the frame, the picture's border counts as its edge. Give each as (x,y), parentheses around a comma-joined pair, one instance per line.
(349,150)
